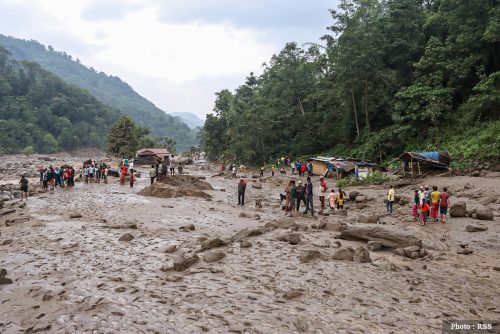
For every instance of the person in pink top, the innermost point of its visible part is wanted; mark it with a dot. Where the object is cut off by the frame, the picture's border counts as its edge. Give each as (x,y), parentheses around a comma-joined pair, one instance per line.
(332,200)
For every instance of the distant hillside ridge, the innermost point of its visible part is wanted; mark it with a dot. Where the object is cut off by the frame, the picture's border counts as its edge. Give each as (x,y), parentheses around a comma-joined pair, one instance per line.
(39,112)
(110,90)
(190,119)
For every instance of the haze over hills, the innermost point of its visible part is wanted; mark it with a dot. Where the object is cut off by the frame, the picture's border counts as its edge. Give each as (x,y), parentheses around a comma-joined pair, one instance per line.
(110,90)
(190,119)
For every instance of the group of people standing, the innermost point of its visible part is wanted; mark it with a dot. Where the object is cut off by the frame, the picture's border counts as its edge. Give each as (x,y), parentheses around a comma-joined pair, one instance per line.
(297,193)
(51,177)
(167,167)
(94,172)
(433,204)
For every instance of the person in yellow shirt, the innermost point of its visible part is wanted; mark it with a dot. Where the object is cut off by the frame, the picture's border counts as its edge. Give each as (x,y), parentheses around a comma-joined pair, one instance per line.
(390,199)
(435,195)
(272,170)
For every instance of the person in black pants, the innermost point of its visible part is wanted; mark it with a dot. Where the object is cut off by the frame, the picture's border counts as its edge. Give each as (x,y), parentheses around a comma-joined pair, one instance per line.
(242,186)
(301,195)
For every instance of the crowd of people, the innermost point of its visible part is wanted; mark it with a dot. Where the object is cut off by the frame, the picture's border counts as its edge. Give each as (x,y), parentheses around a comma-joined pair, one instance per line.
(166,167)
(427,204)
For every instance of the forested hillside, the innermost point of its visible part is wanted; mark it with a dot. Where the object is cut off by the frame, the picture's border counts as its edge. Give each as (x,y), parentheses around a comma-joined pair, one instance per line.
(110,90)
(391,75)
(40,112)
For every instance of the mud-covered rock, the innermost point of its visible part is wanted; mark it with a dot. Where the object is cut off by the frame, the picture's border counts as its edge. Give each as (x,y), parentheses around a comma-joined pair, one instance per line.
(214,256)
(212,243)
(475,228)
(361,255)
(343,254)
(248,232)
(294,238)
(126,237)
(484,214)
(374,246)
(75,215)
(458,209)
(184,260)
(245,244)
(187,228)
(353,195)
(309,255)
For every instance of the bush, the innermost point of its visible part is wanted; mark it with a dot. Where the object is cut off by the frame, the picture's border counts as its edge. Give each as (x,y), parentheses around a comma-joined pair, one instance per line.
(374,178)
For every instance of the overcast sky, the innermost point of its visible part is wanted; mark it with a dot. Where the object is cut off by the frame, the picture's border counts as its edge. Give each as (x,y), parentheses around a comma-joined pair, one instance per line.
(176,53)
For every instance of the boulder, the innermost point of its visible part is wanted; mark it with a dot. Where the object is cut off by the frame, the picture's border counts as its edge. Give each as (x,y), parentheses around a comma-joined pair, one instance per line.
(245,244)
(248,232)
(294,238)
(17,220)
(374,246)
(343,254)
(212,243)
(257,186)
(283,236)
(126,237)
(464,251)
(368,219)
(412,249)
(475,228)
(4,212)
(484,214)
(388,236)
(75,215)
(458,209)
(214,256)
(309,255)
(271,225)
(183,261)
(3,279)
(353,195)
(187,228)
(361,255)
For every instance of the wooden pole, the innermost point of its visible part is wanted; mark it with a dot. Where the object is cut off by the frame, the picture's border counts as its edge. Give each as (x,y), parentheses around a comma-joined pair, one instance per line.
(411,167)
(418,165)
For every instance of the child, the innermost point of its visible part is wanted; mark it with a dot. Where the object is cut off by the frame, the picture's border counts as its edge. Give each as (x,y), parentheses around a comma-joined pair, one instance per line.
(340,199)
(424,212)
(132,178)
(332,200)
(416,202)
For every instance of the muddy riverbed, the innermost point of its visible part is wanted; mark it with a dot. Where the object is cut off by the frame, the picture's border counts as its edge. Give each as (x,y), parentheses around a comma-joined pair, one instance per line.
(74,275)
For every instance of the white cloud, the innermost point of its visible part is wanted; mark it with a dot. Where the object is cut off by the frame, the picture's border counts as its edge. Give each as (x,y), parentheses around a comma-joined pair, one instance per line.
(177,64)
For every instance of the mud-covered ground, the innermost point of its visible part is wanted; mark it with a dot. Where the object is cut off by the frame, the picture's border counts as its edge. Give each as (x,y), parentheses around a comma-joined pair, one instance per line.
(74,275)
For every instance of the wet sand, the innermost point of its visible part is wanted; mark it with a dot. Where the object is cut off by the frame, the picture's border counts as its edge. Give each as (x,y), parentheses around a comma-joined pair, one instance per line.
(73,275)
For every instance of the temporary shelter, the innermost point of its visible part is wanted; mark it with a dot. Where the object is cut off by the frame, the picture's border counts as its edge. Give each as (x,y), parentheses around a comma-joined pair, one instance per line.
(416,162)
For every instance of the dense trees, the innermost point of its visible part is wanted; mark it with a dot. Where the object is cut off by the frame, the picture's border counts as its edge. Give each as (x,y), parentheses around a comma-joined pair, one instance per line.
(41,113)
(109,90)
(392,74)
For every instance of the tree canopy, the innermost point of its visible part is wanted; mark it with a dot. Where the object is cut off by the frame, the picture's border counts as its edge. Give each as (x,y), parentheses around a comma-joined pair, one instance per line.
(39,112)
(390,75)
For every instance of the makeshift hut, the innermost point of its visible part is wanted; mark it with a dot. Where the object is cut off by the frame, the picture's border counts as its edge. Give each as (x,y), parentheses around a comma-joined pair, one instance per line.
(340,167)
(148,156)
(417,162)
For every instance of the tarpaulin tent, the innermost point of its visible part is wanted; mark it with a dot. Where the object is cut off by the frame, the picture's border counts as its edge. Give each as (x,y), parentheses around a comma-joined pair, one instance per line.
(425,160)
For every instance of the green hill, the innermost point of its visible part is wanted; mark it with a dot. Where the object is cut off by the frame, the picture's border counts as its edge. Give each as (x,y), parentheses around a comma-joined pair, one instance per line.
(40,112)
(110,90)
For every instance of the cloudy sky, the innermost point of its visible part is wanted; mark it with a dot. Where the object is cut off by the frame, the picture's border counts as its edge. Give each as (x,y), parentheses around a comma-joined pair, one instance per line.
(176,53)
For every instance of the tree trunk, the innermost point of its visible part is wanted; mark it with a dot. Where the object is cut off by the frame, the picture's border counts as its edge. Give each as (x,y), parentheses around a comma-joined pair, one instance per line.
(300,105)
(355,112)
(367,120)
(389,237)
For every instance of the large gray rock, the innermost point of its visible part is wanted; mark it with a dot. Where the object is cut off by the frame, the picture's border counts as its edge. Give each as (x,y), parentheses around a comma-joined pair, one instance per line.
(484,214)
(294,238)
(458,209)
(248,232)
(309,255)
(388,236)
(214,256)
(361,255)
(212,243)
(126,237)
(374,246)
(475,228)
(353,195)
(183,261)
(343,254)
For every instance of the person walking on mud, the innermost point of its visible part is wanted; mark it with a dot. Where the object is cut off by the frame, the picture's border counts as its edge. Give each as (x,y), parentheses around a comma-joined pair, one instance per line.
(261,171)
(242,187)
(293,198)
(322,191)
(444,204)
(172,166)
(152,174)
(390,199)
(309,196)
(24,187)
(132,178)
